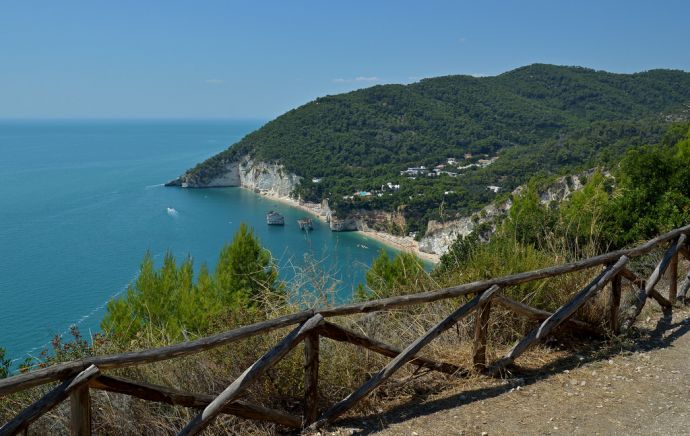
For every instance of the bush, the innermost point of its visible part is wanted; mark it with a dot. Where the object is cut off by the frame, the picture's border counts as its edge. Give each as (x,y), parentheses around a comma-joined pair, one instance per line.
(170,301)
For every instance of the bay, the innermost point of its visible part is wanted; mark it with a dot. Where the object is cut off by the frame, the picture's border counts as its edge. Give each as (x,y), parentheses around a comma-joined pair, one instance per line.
(81,201)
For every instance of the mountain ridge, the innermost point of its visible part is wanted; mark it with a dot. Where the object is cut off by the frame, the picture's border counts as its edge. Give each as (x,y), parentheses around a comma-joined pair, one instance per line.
(537,118)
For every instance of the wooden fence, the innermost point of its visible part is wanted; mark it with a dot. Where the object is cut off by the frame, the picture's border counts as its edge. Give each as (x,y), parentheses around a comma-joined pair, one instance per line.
(78,377)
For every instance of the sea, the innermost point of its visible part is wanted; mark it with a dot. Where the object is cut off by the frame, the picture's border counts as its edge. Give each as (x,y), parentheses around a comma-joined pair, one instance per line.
(81,201)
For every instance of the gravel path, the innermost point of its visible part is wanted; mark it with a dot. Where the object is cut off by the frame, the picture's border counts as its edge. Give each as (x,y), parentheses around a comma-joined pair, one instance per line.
(642,391)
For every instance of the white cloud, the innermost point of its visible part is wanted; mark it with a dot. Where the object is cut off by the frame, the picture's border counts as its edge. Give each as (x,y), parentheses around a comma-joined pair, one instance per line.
(213,81)
(366,79)
(358,79)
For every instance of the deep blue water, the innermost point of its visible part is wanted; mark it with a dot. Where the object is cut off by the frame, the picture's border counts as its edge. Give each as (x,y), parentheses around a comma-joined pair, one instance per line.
(81,202)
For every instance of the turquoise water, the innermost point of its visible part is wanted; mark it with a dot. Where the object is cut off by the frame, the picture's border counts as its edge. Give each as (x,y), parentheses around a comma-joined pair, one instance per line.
(81,201)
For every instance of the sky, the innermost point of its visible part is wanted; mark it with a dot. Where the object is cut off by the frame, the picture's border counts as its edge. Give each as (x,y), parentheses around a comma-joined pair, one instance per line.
(258,59)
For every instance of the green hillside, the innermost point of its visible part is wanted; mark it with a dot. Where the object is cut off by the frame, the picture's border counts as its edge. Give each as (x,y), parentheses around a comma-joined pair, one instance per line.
(538,118)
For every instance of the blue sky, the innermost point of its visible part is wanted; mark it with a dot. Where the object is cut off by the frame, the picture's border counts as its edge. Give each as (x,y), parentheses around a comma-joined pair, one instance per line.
(257,59)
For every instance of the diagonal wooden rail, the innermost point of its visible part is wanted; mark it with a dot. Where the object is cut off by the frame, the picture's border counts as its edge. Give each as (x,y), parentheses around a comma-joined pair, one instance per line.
(78,377)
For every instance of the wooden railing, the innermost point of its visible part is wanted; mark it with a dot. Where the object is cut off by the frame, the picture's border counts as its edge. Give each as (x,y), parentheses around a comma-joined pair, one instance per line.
(78,377)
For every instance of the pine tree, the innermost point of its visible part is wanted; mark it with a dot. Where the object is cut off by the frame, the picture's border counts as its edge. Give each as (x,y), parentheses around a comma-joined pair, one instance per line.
(245,270)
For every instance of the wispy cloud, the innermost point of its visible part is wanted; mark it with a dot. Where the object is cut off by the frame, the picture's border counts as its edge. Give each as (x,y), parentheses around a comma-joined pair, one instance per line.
(213,81)
(358,79)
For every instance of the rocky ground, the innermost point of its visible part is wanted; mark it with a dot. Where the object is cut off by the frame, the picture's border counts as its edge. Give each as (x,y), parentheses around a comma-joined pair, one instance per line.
(638,386)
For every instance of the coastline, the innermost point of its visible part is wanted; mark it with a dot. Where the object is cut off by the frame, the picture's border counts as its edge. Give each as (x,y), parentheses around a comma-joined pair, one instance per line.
(400,243)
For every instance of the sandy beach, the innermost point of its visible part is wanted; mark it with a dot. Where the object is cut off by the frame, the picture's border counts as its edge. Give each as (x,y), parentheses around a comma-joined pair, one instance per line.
(312,208)
(400,243)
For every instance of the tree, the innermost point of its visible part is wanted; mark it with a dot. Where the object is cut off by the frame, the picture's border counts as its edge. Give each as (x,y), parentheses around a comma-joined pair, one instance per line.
(527,219)
(168,301)
(245,270)
(581,218)
(402,274)
(4,364)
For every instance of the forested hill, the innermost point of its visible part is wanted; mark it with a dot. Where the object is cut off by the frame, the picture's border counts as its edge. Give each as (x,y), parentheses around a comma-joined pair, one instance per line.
(538,117)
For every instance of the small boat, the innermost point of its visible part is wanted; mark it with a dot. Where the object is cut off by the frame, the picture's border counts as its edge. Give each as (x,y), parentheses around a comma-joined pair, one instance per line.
(275,219)
(305,224)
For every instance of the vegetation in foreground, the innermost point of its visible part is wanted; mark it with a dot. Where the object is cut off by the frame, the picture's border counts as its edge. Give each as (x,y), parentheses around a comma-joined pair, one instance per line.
(649,194)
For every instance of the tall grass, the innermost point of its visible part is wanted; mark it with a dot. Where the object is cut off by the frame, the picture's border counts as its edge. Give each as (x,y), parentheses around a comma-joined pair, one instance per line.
(343,367)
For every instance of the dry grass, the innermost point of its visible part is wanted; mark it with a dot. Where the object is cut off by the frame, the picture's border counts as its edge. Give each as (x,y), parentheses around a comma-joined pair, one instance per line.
(343,367)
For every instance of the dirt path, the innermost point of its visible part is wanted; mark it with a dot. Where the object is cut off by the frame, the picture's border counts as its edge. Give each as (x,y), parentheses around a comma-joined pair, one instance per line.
(644,390)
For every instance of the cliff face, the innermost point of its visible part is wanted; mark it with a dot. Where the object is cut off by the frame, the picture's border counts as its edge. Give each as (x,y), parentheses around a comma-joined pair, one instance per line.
(439,236)
(261,177)
(266,178)
(365,220)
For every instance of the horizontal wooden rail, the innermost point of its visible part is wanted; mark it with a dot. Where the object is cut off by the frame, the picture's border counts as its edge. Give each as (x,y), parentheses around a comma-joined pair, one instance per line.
(242,382)
(514,279)
(83,374)
(60,371)
(402,358)
(538,314)
(341,334)
(649,288)
(48,401)
(64,370)
(162,394)
(560,315)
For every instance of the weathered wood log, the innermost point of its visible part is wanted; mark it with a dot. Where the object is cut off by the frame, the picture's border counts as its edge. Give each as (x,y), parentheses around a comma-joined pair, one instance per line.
(48,401)
(163,394)
(663,302)
(481,327)
(641,284)
(238,386)
(80,412)
(65,370)
(515,279)
(560,315)
(570,308)
(342,334)
(311,378)
(684,251)
(673,279)
(684,288)
(616,290)
(633,278)
(649,290)
(540,315)
(404,357)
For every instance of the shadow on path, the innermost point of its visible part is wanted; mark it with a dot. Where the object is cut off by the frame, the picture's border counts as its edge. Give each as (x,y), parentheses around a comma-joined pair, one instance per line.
(664,334)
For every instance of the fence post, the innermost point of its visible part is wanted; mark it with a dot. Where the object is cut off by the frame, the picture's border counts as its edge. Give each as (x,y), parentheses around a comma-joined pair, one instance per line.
(80,410)
(481,327)
(673,279)
(311,378)
(616,284)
